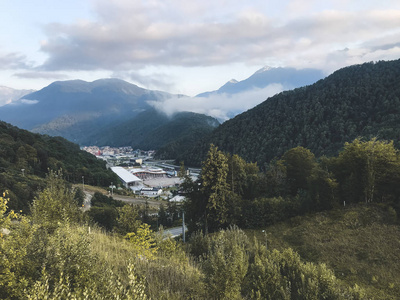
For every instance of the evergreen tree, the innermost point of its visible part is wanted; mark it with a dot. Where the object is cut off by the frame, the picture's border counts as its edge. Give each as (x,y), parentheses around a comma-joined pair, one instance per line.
(215,188)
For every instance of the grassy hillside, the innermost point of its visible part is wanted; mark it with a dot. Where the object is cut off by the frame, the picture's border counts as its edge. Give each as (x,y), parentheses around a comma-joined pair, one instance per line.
(360,243)
(348,253)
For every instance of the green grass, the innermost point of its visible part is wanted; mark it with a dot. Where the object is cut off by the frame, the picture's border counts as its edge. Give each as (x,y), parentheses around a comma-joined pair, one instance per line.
(360,243)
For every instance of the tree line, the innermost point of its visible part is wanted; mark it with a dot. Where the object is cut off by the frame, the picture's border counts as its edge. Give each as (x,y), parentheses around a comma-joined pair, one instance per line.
(231,191)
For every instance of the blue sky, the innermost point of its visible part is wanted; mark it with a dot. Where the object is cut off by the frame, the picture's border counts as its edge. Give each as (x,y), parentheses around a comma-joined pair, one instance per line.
(188,46)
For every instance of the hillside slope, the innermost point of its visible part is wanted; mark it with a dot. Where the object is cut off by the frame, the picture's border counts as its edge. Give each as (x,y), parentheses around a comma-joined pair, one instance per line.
(26,158)
(360,243)
(361,100)
(151,129)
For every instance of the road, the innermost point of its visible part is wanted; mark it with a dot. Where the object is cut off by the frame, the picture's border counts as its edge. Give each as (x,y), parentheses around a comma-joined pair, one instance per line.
(174,232)
(132,200)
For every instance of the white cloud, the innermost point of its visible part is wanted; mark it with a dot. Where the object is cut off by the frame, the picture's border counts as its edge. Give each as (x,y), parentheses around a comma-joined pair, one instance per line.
(133,34)
(27,101)
(130,36)
(220,106)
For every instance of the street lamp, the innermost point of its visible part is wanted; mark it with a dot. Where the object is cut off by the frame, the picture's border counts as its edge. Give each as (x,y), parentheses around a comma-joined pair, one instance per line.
(266,239)
(112,187)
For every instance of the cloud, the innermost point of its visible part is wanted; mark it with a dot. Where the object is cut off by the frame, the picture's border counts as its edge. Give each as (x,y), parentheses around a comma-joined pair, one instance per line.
(27,101)
(132,34)
(153,81)
(220,106)
(44,75)
(13,61)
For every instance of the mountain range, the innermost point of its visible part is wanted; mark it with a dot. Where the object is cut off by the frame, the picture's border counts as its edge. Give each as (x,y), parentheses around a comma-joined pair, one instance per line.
(360,100)
(117,113)
(288,78)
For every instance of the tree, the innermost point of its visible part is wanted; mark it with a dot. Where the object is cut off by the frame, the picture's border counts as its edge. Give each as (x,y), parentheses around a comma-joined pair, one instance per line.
(214,188)
(299,164)
(128,219)
(144,241)
(242,176)
(55,204)
(368,170)
(226,263)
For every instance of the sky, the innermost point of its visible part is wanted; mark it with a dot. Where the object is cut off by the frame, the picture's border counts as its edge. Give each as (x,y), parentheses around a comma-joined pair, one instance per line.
(188,47)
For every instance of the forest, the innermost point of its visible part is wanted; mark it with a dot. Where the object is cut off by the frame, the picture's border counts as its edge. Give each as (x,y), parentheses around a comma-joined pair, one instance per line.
(26,158)
(57,251)
(360,100)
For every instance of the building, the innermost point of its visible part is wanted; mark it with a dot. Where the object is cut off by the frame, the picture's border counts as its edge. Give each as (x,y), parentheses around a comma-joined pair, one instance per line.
(149,173)
(150,192)
(129,180)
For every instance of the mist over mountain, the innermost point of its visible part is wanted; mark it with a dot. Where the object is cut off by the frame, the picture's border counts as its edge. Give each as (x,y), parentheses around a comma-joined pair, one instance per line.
(9,95)
(235,97)
(288,78)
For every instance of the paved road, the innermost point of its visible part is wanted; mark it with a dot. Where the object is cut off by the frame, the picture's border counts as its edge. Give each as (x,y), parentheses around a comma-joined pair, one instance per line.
(86,202)
(136,200)
(174,232)
(132,200)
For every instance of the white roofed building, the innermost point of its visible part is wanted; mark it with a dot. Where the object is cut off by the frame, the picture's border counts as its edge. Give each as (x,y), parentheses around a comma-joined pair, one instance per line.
(151,192)
(128,179)
(149,173)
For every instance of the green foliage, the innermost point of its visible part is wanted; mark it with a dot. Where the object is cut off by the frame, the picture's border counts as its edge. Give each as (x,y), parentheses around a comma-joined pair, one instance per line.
(113,289)
(368,171)
(25,159)
(105,212)
(299,163)
(104,216)
(79,196)
(361,100)
(282,275)
(226,264)
(55,204)
(144,241)
(215,188)
(128,219)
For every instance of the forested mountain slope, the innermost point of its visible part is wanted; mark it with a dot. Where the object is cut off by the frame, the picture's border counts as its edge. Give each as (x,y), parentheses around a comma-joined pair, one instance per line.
(25,158)
(361,100)
(152,129)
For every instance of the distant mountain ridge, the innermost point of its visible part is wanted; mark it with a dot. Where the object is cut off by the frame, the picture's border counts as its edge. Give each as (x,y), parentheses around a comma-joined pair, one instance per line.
(289,78)
(76,109)
(361,100)
(104,112)
(9,95)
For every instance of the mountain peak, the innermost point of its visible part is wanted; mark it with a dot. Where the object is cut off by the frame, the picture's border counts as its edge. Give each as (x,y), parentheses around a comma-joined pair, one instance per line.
(263,69)
(233,81)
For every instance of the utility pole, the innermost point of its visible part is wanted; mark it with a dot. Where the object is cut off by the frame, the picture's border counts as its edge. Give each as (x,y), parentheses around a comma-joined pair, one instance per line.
(183,226)
(266,239)
(112,188)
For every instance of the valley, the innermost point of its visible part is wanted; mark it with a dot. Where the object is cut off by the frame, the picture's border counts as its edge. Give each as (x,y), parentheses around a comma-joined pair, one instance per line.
(295,198)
